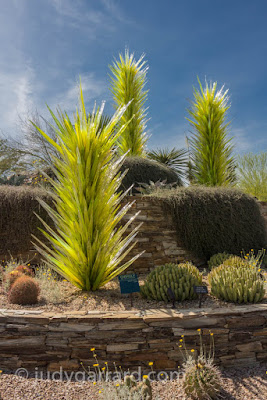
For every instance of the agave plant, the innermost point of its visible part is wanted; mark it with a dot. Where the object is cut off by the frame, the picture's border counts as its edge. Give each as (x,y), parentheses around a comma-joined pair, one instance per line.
(211,149)
(175,159)
(127,84)
(88,245)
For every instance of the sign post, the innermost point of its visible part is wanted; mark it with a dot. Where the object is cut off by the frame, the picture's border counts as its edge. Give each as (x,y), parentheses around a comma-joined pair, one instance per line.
(201,291)
(129,284)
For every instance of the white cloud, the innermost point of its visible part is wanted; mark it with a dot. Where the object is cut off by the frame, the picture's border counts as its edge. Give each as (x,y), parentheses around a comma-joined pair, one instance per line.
(16,97)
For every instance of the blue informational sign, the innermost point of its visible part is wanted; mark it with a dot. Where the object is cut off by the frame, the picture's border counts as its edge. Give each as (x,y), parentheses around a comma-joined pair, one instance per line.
(129,283)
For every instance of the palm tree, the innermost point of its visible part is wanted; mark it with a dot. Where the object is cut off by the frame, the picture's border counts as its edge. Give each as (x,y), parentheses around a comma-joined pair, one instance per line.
(175,159)
(210,146)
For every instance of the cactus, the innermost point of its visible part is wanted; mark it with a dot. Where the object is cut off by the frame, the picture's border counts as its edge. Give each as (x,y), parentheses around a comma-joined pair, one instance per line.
(143,389)
(218,259)
(11,277)
(24,270)
(180,278)
(237,281)
(202,380)
(24,291)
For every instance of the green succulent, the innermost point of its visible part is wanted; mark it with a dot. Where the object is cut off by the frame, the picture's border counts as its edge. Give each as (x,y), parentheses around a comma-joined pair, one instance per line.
(180,278)
(237,281)
(218,259)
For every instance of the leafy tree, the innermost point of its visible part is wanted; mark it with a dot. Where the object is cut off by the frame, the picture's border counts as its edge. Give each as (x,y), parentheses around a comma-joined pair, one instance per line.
(252,174)
(175,159)
(88,246)
(210,146)
(127,85)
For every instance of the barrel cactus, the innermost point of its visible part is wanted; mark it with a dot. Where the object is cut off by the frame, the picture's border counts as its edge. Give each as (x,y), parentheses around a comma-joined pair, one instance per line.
(218,259)
(202,379)
(237,281)
(24,291)
(180,278)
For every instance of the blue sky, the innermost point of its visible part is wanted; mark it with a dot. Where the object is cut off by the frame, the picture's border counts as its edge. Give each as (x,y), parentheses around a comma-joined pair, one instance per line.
(46,45)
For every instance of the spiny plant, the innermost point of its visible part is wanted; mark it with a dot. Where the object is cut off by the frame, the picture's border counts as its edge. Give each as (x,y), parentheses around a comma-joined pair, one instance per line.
(202,379)
(210,147)
(88,246)
(218,259)
(24,291)
(127,85)
(237,281)
(24,269)
(180,278)
(175,159)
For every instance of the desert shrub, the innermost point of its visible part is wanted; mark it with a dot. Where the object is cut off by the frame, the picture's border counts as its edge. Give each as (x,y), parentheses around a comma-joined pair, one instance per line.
(48,280)
(213,220)
(180,278)
(18,221)
(143,170)
(24,291)
(237,281)
(218,259)
(202,379)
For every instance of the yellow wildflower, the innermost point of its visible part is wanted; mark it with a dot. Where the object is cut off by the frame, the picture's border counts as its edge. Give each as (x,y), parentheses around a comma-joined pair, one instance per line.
(96,365)
(192,350)
(150,363)
(93,349)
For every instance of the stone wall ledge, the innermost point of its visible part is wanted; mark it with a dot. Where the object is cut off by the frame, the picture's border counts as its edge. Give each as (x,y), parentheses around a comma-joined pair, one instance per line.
(151,314)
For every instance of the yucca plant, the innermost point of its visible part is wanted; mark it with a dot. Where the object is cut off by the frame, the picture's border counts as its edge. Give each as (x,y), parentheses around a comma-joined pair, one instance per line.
(127,84)
(175,159)
(210,146)
(88,245)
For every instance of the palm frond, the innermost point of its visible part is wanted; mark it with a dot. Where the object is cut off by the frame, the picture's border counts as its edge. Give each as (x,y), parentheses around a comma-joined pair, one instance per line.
(175,159)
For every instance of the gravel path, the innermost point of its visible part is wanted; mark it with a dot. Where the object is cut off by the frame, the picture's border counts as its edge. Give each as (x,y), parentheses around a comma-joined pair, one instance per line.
(238,384)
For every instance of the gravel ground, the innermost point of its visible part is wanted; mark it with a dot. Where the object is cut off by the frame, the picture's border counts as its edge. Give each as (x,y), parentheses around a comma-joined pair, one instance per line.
(238,384)
(108,298)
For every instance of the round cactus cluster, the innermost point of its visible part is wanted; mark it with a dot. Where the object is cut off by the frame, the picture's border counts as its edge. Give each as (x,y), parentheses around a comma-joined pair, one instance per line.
(180,278)
(12,276)
(218,259)
(24,291)
(237,281)
(202,379)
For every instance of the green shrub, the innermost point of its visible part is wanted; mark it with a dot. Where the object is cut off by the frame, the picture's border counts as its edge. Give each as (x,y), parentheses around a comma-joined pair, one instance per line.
(237,281)
(218,259)
(24,291)
(18,221)
(180,278)
(213,220)
(143,170)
